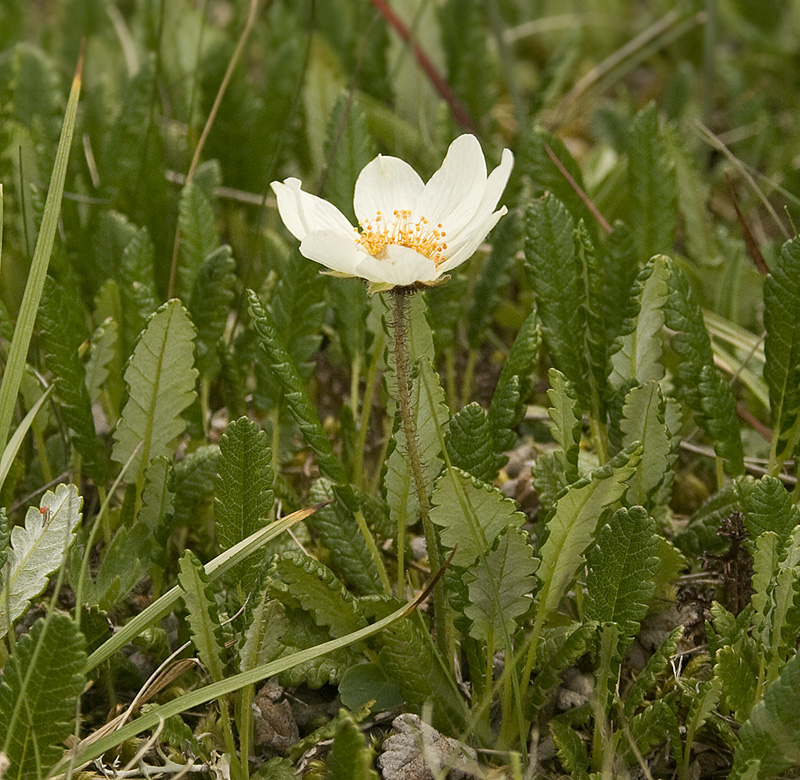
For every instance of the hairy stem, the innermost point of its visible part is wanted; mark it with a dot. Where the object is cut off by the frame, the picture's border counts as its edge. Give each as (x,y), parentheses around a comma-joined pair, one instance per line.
(400,347)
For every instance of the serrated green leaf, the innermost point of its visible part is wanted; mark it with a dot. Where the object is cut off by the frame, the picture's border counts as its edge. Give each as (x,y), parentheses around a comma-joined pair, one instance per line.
(243,485)
(192,484)
(565,423)
(209,305)
(621,566)
(156,495)
(160,378)
(293,386)
(300,581)
(37,550)
(41,682)
(782,349)
(719,410)
(636,354)
(471,515)
(737,670)
(104,357)
(712,400)
(124,564)
(408,656)
(199,237)
(470,444)
(652,186)
(202,615)
(574,520)
(571,750)
(651,727)
(653,670)
(61,320)
(771,734)
(350,758)
(267,621)
(557,280)
(500,586)
(339,533)
(617,269)
(137,285)
(769,507)
(5,538)
(643,420)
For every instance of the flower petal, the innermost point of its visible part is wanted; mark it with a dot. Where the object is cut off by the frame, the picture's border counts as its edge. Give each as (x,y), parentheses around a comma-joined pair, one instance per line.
(385,184)
(398,265)
(333,250)
(454,192)
(495,185)
(303,212)
(467,249)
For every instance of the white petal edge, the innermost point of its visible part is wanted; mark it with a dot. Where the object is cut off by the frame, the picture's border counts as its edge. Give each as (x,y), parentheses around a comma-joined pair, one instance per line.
(455,191)
(468,249)
(333,250)
(399,266)
(303,213)
(495,185)
(385,184)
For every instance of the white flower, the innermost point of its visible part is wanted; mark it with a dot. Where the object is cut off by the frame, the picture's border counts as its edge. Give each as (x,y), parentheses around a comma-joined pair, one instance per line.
(409,232)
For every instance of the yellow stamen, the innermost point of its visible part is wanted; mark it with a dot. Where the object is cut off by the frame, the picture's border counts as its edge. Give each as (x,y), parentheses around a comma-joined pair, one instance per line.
(376,234)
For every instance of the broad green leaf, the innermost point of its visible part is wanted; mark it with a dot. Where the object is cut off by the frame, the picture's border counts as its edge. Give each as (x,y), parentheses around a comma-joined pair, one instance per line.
(556,276)
(565,423)
(243,488)
(160,378)
(39,689)
(15,359)
(209,305)
(202,615)
(621,566)
(367,682)
(350,758)
(643,420)
(771,735)
(637,352)
(471,515)
(652,186)
(294,389)
(500,586)
(470,444)
(301,582)
(61,320)
(37,550)
(199,237)
(573,523)
(737,670)
(782,349)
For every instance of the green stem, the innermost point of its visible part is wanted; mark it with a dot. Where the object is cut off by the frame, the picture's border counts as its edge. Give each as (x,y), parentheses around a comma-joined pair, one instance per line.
(370,383)
(400,325)
(450,377)
(600,438)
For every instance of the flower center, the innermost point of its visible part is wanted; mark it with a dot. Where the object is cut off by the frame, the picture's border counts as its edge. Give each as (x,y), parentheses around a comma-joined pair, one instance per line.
(376,234)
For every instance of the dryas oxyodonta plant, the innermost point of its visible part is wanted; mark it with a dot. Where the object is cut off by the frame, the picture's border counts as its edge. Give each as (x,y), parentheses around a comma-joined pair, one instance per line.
(408,232)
